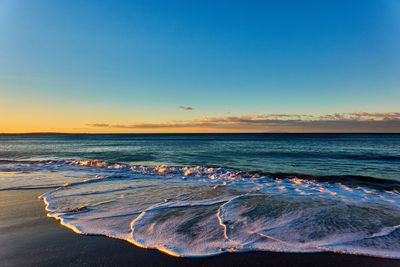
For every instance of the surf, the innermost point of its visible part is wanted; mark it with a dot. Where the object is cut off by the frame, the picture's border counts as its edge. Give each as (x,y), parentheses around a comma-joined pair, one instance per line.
(200,211)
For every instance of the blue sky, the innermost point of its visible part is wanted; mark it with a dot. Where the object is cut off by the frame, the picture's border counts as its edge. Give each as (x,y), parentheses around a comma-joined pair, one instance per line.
(121,62)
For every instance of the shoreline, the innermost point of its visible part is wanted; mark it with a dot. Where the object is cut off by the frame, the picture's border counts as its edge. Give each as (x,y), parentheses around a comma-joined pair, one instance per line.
(29,238)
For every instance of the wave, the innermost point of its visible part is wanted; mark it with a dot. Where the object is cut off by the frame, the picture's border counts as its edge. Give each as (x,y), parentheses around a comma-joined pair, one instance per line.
(200,211)
(197,171)
(373,157)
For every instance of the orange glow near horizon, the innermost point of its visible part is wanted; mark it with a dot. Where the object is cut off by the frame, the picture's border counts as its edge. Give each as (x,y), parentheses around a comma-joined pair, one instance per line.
(55,117)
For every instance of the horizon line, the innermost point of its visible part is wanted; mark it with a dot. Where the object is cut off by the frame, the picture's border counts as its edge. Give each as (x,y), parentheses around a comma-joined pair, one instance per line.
(278,132)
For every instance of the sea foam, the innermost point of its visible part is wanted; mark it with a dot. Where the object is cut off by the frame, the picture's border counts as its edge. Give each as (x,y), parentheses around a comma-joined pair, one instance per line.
(200,211)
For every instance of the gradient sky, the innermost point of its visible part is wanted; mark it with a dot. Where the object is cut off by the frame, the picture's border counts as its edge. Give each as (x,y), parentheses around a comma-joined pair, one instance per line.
(139,66)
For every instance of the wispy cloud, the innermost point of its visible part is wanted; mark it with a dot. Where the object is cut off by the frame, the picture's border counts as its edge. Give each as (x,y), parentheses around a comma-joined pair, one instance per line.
(99,125)
(185,108)
(337,122)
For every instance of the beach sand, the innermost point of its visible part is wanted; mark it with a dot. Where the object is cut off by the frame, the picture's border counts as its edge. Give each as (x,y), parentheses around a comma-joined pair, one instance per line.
(29,238)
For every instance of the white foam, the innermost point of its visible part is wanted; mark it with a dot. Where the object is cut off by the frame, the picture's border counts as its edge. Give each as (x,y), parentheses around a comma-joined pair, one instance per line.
(199,211)
(216,210)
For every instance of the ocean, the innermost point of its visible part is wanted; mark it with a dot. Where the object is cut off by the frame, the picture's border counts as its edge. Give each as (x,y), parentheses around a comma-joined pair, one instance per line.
(197,195)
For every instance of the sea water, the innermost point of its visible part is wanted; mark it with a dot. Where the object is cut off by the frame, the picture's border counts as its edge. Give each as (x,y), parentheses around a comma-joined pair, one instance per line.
(206,194)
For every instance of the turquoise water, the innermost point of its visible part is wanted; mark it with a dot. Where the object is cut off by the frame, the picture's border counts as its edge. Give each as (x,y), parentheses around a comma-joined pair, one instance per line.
(205,194)
(374,155)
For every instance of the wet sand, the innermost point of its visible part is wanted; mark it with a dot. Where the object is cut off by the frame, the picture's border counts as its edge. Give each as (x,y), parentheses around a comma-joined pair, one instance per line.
(29,238)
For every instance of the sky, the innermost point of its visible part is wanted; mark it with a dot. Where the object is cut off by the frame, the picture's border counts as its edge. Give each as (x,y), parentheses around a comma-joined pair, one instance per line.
(199,66)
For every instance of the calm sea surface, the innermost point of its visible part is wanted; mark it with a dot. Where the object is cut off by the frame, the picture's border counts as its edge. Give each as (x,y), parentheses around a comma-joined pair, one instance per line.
(205,194)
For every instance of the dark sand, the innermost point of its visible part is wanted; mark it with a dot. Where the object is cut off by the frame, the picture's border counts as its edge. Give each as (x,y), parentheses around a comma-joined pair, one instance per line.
(29,238)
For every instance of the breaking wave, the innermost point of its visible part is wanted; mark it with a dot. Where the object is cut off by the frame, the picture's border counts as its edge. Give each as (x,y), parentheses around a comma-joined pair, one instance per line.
(200,211)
